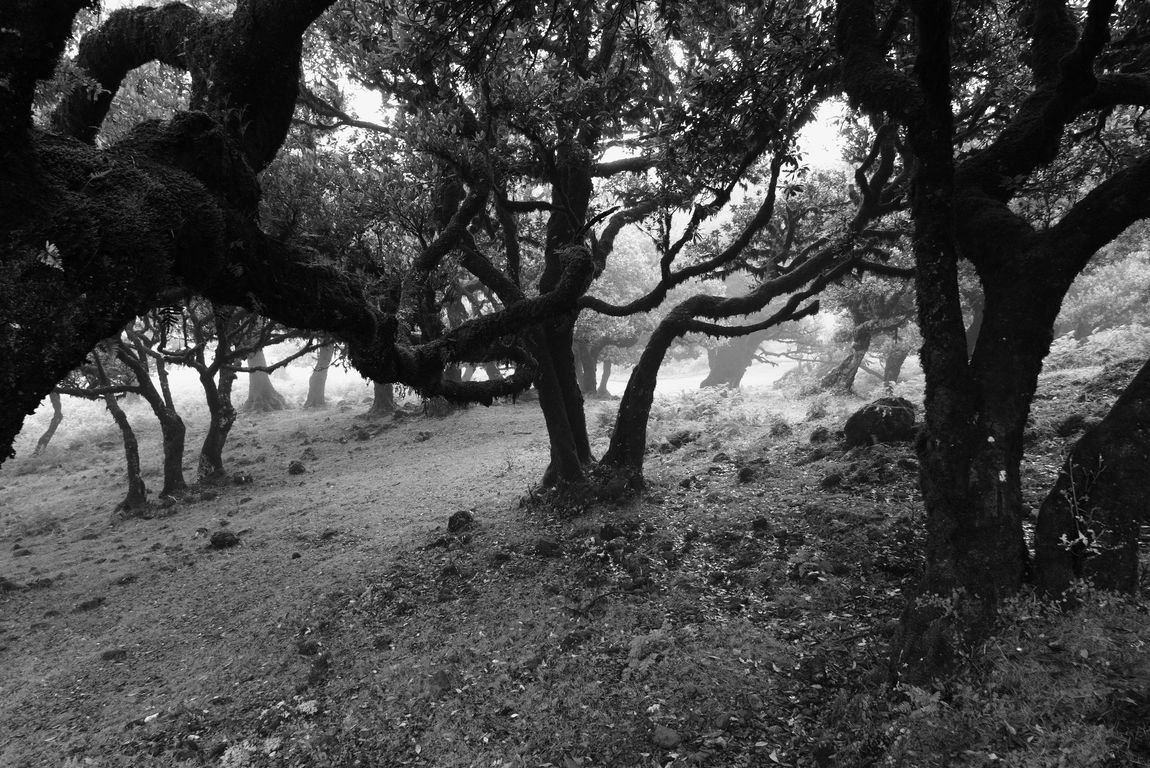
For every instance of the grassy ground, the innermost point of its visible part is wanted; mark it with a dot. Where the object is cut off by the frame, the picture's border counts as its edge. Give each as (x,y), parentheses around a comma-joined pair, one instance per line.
(738,614)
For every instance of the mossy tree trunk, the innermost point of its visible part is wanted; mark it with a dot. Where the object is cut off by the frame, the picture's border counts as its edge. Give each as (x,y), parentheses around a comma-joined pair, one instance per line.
(263,397)
(383,404)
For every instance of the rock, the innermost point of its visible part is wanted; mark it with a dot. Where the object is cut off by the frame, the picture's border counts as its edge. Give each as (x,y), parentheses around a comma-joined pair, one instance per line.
(89,604)
(610,531)
(440,683)
(548,548)
(461,521)
(114,654)
(820,435)
(761,526)
(243,478)
(1072,424)
(886,420)
(780,428)
(308,646)
(7,585)
(686,482)
(223,540)
(574,639)
(720,458)
(665,738)
(296,468)
(681,437)
(21,552)
(746,474)
(833,480)
(910,465)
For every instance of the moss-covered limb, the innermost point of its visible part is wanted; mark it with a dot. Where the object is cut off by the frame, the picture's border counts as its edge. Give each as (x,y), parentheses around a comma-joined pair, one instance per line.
(128,38)
(33,34)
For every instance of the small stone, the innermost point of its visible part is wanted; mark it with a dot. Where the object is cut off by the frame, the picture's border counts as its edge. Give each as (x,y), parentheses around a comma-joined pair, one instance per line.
(761,526)
(720,457)
(548,548)
(89,605)
(114,654)
(820,435)
(610,531)
(833,480)
(308,454)
(296,468)
(460,521)
(746,474)
(21,552)
(296,555)
(665,738)
(243,478)
(223,540)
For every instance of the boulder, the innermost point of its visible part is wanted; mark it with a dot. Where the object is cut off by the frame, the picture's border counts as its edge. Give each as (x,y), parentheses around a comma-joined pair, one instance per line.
(886,420)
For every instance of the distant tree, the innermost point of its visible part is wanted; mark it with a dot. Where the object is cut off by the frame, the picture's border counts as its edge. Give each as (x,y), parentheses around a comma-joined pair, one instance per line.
(317,382)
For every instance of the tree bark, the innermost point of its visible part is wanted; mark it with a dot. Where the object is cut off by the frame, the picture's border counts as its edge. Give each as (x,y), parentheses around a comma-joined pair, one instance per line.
(603,391)
(585,365)
(728,362)
(841,379)
(172,427)
(136,499)
(262,394)
(57,417)
(1088,524)
(222,416)
(892,365)
(317,382)
(383,404)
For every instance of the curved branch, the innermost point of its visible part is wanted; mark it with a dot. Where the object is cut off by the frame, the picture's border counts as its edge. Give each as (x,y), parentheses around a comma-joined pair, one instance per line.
(128,39)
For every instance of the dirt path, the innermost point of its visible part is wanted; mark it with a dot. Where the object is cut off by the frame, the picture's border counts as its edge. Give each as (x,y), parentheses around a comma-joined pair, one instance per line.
(131,618)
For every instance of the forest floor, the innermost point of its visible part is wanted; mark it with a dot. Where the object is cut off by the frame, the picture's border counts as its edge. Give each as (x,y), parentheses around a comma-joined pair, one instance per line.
(739,614)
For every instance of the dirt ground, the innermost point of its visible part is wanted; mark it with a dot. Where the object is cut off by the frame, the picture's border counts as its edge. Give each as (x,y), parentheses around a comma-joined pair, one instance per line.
(738,615)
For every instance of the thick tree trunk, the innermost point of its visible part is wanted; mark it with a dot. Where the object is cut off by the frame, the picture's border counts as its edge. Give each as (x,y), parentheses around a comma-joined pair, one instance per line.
(560,397)
(493,372)
(567,461)
(841,379)
(223,416)
(383,404)
(317,382)
(629,438)
(585,365)
(729,361)
(136,499)
(57,417)
(1089,523)
(603,391)
(262,394)
(892,365)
